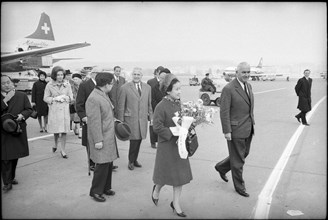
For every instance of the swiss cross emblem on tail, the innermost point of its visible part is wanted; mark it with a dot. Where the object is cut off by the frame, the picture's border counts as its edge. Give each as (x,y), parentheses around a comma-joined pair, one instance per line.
(44,30)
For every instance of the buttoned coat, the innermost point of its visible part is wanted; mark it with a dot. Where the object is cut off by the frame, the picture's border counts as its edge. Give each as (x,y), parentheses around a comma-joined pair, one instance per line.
(37,97)
(114,92)
(59,116)
(135,109)
(236,110)
(99,111)
(13,147)
(303,91)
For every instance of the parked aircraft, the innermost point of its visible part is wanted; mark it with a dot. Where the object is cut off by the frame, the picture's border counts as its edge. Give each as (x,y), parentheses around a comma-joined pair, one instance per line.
(34,52)
(257,73)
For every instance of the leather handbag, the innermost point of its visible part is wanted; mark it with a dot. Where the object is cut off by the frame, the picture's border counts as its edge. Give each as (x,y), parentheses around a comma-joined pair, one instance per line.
(34,114)
(191,142)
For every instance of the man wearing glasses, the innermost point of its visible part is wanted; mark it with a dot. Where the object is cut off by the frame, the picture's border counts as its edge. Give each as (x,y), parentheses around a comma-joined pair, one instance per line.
(237,120)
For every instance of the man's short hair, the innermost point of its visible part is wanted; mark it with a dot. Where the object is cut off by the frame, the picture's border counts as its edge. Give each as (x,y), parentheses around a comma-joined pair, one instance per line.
(103,79)
(165,70)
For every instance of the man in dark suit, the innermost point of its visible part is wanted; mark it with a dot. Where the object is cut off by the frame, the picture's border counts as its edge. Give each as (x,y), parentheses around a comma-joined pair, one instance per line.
(83,93)
(303,91)
(118,82)
(237,120)
(156,97)
(13,146)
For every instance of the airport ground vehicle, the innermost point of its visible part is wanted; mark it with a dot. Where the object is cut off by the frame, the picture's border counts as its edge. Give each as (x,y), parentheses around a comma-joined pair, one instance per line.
(194,81)
(208,97)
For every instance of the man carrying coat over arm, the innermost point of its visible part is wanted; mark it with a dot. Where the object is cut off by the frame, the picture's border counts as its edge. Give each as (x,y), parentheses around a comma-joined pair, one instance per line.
(237,120)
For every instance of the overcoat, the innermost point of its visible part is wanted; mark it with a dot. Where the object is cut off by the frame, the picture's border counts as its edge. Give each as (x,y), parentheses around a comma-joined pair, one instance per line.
(236,110)
(14,147)
(156,94)
(303,91)
(114,92)
(83,93)
(37,97)
(135,109)
(99,110)
(169,168)
(59,116)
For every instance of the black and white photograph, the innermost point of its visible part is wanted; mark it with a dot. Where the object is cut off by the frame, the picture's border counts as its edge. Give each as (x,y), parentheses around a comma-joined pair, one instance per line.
(163,110)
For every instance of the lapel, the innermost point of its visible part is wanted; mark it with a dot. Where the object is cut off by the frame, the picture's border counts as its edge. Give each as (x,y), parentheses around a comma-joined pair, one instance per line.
(241,91)
(134,89)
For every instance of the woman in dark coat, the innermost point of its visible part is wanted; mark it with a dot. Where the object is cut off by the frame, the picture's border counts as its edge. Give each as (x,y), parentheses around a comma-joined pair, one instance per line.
(13,146)
(303,91)
(169,168)
(37,100)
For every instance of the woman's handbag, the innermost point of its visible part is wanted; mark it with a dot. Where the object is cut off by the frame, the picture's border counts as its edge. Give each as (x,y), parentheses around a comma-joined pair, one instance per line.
(34,114)
(191,142)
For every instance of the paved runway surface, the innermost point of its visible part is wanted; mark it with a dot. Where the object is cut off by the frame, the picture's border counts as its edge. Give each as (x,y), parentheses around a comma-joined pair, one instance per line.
(51,187)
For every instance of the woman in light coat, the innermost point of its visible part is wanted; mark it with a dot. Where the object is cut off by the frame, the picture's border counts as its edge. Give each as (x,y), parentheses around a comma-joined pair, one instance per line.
(101,136)
(58,94)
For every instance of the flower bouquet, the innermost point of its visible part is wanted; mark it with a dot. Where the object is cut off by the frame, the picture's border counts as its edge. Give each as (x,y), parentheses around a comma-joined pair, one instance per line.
(191,115)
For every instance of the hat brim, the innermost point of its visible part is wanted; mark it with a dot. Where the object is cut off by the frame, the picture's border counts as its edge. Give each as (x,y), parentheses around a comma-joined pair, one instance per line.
(118,130)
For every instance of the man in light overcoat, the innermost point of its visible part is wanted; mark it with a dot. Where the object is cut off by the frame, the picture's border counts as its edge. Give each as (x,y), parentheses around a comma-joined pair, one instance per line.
(101,136)
(134,108)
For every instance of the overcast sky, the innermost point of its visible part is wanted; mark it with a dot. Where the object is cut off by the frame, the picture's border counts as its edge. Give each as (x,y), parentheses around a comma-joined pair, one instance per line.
(133,31)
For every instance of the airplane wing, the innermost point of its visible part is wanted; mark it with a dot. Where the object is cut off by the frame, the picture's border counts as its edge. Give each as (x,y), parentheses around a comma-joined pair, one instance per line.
(14,57)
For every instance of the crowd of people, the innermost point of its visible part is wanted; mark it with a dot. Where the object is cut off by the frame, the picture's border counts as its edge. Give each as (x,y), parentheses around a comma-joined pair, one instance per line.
(105,99)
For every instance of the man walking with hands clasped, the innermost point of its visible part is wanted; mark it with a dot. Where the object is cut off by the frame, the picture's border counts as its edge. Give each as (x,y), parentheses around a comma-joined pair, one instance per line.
(237,120)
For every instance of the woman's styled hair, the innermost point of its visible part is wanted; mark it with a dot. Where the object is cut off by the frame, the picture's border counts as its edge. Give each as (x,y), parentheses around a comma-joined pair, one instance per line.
(167,84)
(55,70)
(42,73)
(103,79)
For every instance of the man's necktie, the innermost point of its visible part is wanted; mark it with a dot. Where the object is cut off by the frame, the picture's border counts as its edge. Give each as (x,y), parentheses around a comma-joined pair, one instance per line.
(117,81)
(246,90)
(139,90)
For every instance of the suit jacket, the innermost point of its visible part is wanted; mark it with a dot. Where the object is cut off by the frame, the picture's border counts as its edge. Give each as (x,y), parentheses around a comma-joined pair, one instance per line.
(13,147)
(303,91)
(83,93)
(113,94)
(99,110)
(135,109)
(156,94)
(236,110)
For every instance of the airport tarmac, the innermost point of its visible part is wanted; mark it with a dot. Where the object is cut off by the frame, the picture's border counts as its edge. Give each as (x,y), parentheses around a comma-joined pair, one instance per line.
(51,187)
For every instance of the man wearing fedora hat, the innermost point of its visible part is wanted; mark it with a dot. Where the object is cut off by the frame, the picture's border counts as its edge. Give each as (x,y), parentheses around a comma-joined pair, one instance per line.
(15,109)
(101,136)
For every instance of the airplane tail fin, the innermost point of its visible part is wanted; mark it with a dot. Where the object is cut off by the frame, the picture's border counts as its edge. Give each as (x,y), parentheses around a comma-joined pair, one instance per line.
(44,30)
(260,63)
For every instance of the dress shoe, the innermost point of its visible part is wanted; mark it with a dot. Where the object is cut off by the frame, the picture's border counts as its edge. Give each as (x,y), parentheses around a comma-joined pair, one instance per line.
(306,124)
(98,198)
(131,166)
(63,155)
(155,201)
(153,146)
(7,187)
(137,164)
(54,149)
(182,214)
(109,192)
(14,182)
(114,167)
(222,175)
(298,119)
(242,192)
